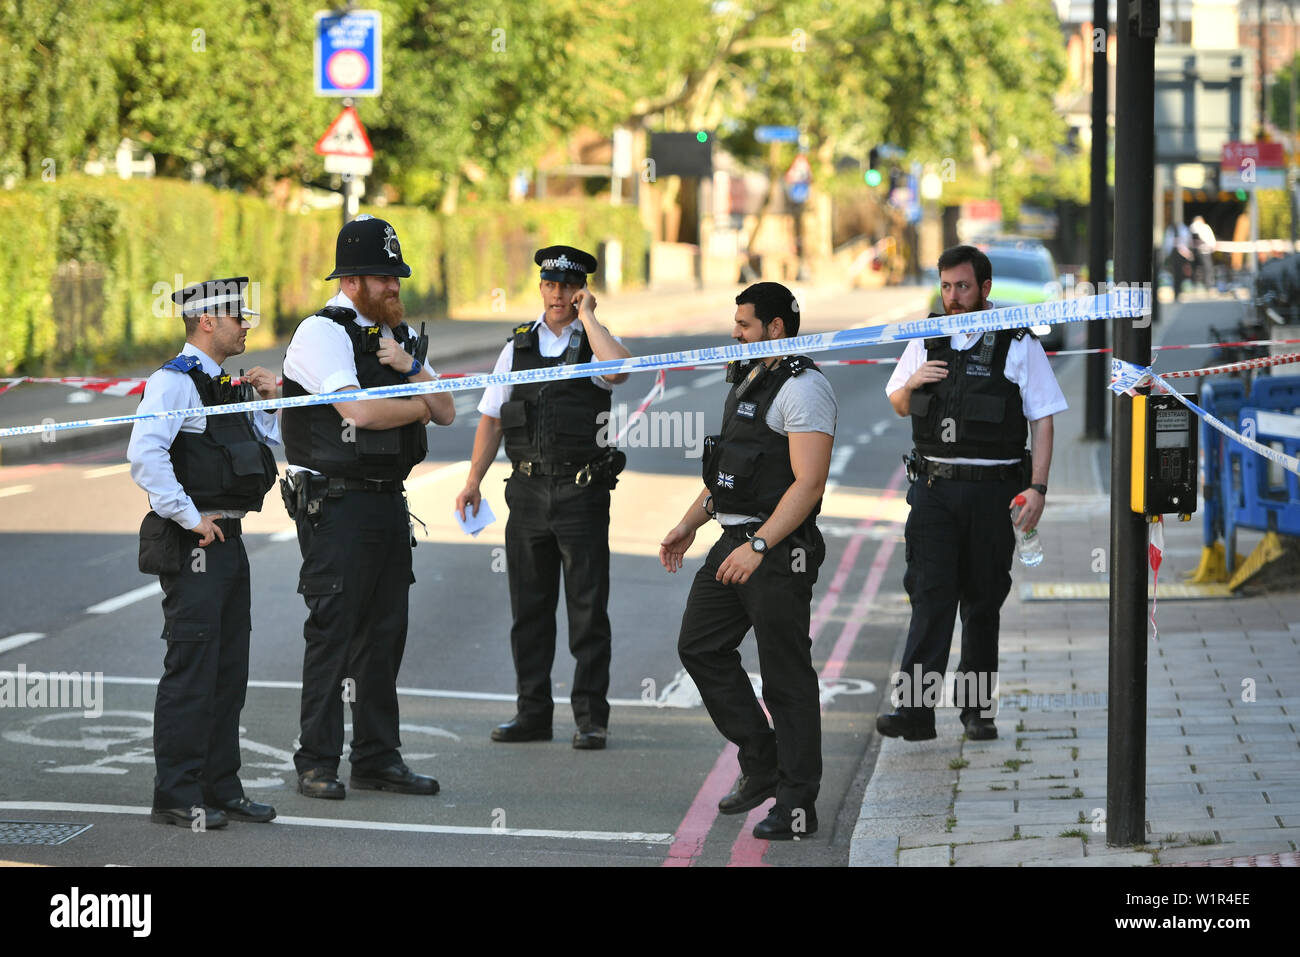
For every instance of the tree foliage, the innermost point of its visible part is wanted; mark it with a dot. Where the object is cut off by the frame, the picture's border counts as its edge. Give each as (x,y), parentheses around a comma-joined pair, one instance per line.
(479,91)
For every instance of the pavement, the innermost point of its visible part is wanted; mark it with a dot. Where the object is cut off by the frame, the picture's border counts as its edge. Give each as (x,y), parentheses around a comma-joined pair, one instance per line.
(1222,736)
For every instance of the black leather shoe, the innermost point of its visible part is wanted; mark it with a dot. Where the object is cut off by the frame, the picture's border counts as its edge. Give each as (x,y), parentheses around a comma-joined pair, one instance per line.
(212,818)
(979,728)
(901,724)
(243,809)
(589,739)
(784,824)
(321,783)
(750,791)
(398,778)
(518,730)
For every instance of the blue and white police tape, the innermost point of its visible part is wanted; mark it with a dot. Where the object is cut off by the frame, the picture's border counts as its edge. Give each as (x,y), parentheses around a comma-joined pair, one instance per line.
(1122,303)
(1125,377)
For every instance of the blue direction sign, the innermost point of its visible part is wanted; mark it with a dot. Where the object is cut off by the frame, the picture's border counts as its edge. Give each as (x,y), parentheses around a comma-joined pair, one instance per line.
(348,53)
(777,134)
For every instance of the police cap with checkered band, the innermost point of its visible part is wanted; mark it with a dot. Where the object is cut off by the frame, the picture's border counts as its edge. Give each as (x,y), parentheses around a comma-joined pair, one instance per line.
(565,264)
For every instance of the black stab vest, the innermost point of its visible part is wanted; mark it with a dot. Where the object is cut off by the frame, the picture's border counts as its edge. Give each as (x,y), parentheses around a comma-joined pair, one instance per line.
(317,438)
(975,411)
(747,466)
(558,421)
(226,466)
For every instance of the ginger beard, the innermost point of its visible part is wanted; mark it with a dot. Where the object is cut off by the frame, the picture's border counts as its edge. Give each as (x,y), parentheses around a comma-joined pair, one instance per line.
(378,301)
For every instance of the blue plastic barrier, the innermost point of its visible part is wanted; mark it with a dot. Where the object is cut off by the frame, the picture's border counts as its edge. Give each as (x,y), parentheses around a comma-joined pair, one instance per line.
(1223,400)
(1256,493)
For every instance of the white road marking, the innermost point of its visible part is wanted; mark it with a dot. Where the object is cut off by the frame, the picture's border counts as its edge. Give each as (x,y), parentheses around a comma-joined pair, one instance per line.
(15,490)
(682,693)
(880,427)
(108,470)
(287,535)
(839,459)
(20,639)
(636,837)
(413,692)
(864,439)
(704,381)
(676,392)
(129,598)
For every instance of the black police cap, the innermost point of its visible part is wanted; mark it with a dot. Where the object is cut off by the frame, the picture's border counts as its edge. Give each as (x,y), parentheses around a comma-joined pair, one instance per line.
(368,247)
(214,297)
(565,264)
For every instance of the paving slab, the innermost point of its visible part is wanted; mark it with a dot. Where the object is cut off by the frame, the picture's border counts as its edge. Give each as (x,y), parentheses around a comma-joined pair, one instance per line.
(1014,853)
(938,856)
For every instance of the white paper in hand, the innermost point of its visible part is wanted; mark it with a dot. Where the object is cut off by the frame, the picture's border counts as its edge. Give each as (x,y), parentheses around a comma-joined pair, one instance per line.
(473,524)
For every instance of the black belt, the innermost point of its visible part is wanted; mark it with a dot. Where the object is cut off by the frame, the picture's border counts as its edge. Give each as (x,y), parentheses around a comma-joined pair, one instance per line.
(336,486)
(229,526)
(549,468)
(968,473)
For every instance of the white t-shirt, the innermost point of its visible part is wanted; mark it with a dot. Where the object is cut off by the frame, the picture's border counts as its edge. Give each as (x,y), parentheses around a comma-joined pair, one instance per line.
(1026,366)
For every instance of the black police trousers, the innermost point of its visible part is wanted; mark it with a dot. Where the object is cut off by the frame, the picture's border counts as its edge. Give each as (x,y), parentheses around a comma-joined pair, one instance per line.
(355,579)
(776,601)
(205,674)
(959,551)
(555,524)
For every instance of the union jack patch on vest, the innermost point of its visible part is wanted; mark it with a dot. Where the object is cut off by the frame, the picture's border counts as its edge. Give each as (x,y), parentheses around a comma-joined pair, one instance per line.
(726,481)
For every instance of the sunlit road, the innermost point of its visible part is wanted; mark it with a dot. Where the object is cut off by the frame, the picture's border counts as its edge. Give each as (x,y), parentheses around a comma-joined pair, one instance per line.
(72,600)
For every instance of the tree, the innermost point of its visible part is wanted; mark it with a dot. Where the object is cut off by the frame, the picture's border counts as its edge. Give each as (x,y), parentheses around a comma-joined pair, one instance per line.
(56,90)
(222,83)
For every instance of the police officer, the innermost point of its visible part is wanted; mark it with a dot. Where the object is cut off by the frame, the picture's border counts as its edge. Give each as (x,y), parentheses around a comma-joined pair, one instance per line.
(973,399)
(558,496)
(202,475)
(348,461)
(764,477)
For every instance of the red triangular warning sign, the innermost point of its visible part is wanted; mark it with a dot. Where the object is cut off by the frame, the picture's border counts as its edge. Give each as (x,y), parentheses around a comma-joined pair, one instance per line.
(346,137)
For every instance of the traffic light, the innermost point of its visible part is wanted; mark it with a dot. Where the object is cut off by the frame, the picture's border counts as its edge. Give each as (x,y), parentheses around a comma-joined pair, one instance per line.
(872,176)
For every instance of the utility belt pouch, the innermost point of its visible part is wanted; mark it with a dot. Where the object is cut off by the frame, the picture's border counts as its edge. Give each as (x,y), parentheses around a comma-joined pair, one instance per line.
(608,466)
(161,550)
(910,464)
(289,493)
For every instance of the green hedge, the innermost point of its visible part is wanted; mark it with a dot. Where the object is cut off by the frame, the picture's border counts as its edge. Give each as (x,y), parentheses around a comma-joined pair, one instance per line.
(134,238)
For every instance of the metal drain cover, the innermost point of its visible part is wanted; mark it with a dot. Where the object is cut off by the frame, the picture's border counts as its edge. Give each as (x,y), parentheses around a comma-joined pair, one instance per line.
(39,832)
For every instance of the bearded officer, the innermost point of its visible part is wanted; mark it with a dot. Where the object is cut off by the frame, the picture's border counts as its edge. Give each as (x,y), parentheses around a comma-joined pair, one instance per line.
(558,494)
(349,459)
(202,475)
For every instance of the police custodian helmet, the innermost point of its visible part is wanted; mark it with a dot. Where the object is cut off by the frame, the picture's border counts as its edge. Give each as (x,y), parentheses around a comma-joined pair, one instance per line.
(368,247)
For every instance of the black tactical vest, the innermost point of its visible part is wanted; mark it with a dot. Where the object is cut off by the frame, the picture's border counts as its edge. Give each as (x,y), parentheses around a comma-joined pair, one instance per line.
(558,421)
(316,436)
(975,411)
(226,466)
(747,467)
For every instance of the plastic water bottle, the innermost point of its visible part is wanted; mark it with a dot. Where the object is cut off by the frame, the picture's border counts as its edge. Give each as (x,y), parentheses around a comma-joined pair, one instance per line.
(1028,544)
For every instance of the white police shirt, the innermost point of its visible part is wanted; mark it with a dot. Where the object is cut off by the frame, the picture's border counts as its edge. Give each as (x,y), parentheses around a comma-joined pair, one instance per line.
(151,439)
(550,344)
(1026,366)
(320,356)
